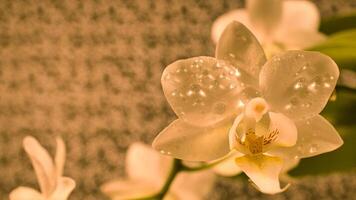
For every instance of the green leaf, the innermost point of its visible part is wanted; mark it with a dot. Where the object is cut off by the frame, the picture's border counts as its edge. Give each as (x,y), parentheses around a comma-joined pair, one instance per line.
(338,23)
(341,112)
(341,47)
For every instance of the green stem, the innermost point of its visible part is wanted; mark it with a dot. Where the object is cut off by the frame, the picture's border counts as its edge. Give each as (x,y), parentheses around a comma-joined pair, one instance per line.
(176,168)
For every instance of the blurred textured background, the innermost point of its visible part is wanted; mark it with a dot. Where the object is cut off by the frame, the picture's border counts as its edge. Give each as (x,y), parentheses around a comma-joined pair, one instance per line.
(90,72)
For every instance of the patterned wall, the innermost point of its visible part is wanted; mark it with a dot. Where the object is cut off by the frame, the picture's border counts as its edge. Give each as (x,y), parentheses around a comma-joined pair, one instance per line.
(90,72)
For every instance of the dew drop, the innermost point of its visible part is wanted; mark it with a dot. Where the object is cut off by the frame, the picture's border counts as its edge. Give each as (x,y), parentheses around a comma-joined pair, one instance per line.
(288,106)
(219,108)
(313,148)
(327,85)
(294,101)
(298,85)
(190,93)
(240,104)
(202,93)
(312,87)
(232,55)
(300,55)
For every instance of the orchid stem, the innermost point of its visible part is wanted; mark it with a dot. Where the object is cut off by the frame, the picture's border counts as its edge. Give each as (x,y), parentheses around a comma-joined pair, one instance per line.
(176,168)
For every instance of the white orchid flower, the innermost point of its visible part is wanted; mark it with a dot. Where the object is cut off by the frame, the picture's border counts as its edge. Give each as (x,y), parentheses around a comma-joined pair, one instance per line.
(278,25)
(49,173)
(267,111)
(147,171)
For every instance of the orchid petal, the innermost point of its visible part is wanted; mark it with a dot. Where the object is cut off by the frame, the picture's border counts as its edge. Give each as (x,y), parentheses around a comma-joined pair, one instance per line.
(240,47)
(223,21)
(289,163)
(64,187)
(145,164)
(25,193)
(298,83)
(42,163)
(263,171)
(128,189)
(315,136)
(265,15)
(203,90)
(237,131)
(299,15)
(60,156)
(188,185)
(191,143)
(228,167)
(287,131)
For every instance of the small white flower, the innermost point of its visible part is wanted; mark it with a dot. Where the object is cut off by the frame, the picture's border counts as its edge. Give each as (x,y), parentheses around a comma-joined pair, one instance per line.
(49,173)
(279,25)
(147,171)
(267,122)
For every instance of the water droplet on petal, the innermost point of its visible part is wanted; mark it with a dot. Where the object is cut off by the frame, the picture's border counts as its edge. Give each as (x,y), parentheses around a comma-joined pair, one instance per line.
(219,108)
(327,85)
(298,85)
(312,86)
(202,93)
(313,148)
(300,55)
(240,104)
(232,55)
(190,93)
(288,106)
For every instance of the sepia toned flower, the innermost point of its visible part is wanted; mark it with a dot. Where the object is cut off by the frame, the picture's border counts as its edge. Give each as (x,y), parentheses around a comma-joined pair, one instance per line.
(147,171)
(279,25)
(53,185)
(265,110)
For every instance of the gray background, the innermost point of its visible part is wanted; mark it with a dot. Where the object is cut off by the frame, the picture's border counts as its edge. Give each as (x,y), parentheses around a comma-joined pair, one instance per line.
(90,72)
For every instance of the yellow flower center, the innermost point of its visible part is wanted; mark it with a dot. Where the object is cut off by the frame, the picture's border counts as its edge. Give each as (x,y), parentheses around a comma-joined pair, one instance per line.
(257,144)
